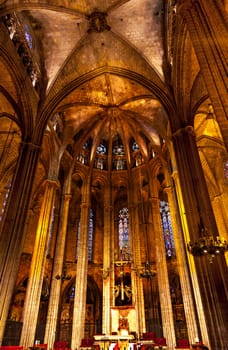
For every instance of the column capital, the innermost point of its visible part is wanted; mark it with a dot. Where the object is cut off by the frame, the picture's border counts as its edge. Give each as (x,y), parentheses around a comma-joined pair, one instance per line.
(84,206)
(52,182)
(67,196)
(186,130)
(175,174)
(168,189)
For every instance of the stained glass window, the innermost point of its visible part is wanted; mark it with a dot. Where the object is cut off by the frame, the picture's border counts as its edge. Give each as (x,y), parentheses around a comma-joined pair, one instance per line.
(28,36)
(101,149)
(226,169)
(118,149)
(123,288)
(100,160)
(135,146)
(167,229)
(72,293)
(123,228)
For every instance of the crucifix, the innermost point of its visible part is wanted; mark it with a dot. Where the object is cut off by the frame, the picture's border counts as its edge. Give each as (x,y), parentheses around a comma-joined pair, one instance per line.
(123,260)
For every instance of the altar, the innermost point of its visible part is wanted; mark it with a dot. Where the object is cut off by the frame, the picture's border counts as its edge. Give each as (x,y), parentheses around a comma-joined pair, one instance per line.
(108,342)
(123,319)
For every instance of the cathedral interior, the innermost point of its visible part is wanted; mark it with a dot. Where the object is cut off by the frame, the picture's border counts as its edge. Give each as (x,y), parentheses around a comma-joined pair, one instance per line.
(114,174)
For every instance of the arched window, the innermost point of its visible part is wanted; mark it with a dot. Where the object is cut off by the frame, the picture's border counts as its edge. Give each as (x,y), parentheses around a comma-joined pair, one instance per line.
(135,146)
(83,156)
(226,170)
(118,149)
(28,36)
(71,294)
(167,229)
(123,287)
(101,149)
(123,228)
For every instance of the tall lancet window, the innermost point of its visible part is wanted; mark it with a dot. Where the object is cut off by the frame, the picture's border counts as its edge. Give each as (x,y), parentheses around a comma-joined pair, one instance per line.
(123,229)
(123,289)
(226,170)
(167,229)
(90,236)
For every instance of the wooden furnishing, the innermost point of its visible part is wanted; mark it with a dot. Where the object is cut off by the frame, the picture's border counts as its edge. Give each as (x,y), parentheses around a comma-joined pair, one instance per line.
(87,343)
(38,347)
(199,346)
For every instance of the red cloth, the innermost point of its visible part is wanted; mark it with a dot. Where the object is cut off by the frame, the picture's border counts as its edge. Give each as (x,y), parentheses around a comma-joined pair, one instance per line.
(11,347)
(60,344)
(87,342)
(183,343)
(148,336)
(160,341)
(116,347)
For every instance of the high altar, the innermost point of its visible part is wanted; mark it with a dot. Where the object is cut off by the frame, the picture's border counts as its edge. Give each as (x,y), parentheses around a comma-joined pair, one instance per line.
(123,320)
(123,324)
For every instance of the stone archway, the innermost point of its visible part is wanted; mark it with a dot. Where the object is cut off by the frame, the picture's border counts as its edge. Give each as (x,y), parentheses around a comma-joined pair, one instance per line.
(93,318)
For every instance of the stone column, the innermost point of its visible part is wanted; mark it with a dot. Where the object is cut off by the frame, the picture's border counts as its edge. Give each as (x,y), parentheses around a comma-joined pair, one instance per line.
(3,192)
(207,25)
(220,204)
(54,299)
(107,261)
(209,280)
(137,284)
(163,279)
(186,289)
(33,292)
(13,228)
(151,236)
(82,269)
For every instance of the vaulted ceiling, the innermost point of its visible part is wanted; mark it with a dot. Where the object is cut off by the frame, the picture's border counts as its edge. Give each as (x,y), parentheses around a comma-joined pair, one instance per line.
(109,43)
(99,67)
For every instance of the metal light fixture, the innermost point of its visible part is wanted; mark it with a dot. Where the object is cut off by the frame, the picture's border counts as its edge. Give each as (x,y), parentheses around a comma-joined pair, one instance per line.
(146,272)
(63,276)
(207,245)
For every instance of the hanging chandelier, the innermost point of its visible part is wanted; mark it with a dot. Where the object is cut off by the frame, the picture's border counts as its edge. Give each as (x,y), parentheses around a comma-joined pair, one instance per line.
(207,245)
(146,271)
(64,276)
